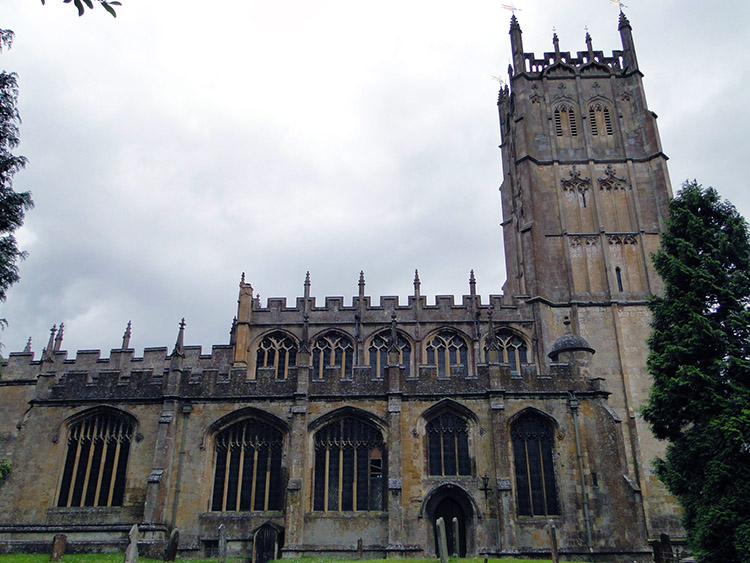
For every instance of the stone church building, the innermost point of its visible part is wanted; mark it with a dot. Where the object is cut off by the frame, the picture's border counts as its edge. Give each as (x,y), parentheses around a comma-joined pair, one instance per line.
(328,428)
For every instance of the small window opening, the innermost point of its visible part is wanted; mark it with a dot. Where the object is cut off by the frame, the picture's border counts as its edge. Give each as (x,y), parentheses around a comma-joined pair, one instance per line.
(618,275)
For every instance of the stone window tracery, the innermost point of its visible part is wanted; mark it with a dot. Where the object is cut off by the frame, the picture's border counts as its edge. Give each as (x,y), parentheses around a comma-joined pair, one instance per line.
(96,461)
(247,473)
(349,467)
(448,445)
(333,350)
(378,354)
(277,351)
(447,350)
(513,349)
(600,119)
(532,436)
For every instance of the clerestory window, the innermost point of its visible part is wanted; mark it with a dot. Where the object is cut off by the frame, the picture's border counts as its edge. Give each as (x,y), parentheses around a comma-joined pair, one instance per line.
(378,353)
(247,473)
(277,351)
(333,352)
(513,349)
(349,467)
(448,352)
(96,461)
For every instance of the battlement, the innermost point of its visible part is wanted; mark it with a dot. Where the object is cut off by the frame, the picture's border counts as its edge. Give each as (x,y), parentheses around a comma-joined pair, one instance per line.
(584,62)
(386,303)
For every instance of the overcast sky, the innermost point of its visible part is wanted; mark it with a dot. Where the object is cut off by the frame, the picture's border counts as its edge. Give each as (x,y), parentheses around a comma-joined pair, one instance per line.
(184,142)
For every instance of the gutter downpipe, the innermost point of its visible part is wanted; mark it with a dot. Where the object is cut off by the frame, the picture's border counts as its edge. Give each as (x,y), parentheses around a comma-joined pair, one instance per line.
(573,404)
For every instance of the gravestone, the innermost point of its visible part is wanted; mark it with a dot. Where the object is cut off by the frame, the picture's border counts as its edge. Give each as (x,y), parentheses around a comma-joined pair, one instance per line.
(58,547)
(131,553)
(442,540)
(553,541)
(456,547)
(171,552)
(222,544)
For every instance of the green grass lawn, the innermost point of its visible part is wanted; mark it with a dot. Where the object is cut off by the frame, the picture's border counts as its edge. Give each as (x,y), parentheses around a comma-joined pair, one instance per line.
(118,558)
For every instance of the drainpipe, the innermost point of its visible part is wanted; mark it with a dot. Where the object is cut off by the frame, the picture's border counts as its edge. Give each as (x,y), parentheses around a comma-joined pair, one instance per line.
(573,404)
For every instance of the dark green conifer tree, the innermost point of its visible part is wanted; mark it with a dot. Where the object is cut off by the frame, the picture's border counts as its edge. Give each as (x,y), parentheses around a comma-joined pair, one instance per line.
(700,362)
(13,204)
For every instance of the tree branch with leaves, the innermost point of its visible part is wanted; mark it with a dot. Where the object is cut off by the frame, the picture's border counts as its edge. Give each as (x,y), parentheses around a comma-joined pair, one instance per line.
(83,4)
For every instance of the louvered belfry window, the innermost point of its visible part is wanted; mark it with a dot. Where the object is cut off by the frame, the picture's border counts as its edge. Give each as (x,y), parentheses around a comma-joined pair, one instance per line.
(349,466)
(94,472)
(248,472)
(448,445)
(533,440)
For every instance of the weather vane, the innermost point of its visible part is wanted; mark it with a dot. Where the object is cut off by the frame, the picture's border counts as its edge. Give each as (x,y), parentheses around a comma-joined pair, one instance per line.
(499,81)
(511,7)
(618,3)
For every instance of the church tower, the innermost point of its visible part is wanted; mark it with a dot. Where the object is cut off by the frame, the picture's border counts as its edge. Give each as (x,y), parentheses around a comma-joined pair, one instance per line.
(585,197)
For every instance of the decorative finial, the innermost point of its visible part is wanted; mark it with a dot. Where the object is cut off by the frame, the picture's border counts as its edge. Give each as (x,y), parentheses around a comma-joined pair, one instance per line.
(417,283)
(307,278)
(491,341)
(589,43)
(27,349)
(393,341)
(242,280)
(59,338)
(179,347)
(472,284)
(126,337)
(47,353)
(307,285)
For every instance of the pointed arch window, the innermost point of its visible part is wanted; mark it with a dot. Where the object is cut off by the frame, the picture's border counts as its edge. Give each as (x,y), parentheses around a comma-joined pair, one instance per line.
(247,474)
(448,445)
(532,436)
(565,121)
(378,353)
(333,352)
(96,461)
(600,119)
(277,352)
(513,349)
(448,352)
(349,466)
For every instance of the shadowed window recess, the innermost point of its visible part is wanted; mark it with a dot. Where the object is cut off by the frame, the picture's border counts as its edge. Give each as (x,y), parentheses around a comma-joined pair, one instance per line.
(533,441)
(349,467)
(95,464)
(448,445)
(248,473)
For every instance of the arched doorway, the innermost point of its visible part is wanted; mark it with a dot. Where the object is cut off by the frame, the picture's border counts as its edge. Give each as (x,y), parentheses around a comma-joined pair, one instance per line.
(449,509)
(451,501)
(267,542)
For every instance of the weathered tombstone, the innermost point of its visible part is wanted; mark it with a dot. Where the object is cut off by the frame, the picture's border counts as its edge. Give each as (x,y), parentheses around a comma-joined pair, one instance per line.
(58,547)
(222,544)
(456,547)
(666,548)
(360,548)
(442,540)
(171,552)
(553,541)
(131,553)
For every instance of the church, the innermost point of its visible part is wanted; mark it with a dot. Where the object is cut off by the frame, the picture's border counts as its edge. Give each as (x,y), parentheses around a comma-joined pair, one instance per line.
(329,429)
